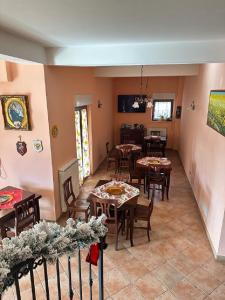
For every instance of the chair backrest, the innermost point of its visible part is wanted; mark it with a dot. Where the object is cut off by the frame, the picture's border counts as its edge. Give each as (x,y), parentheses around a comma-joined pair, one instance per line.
(150,206)
(119,177)
(69,196)
(155,172)
(25,214)
(107,207)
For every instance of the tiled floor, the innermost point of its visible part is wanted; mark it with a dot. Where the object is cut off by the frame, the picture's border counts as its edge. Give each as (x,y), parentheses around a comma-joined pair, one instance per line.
(177,264)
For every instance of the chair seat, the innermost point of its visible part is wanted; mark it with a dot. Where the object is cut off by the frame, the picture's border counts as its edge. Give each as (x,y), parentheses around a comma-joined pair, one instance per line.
(81,202)
(80,206)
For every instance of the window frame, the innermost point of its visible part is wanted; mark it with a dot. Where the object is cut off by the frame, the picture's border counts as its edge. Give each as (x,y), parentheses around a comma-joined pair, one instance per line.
(153,110)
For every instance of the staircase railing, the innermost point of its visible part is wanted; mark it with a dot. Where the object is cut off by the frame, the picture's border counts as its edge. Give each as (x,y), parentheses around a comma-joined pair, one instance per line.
(46,243)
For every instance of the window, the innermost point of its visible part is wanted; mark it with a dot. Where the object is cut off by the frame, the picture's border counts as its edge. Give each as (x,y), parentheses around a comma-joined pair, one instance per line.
(162,110)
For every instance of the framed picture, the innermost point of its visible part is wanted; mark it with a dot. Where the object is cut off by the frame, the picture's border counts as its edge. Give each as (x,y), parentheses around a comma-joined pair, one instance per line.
(216,111)
(15,112)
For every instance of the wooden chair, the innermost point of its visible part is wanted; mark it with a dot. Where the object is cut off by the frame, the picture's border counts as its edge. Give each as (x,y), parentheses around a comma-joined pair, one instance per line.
(136,174)
(155,147)
(124,159)
(143,213)
(26,216)
(155,178)
(112,157)
(73,205)
(115,218)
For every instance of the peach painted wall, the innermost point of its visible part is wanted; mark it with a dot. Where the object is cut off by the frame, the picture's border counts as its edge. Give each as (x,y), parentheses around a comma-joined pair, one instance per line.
(33,171)
(126,86)
(63,84)
(202,151)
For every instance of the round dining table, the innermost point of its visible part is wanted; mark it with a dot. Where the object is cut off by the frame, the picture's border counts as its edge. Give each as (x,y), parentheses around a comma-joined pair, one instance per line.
(128,148)
(153,162)
(156,163)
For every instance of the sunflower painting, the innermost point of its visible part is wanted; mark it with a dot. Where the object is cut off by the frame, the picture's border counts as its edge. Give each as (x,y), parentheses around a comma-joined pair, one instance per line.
(15,112)
(216,111)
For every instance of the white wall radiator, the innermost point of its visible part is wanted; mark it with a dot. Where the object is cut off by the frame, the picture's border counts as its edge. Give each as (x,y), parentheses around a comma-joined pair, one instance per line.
(69,169)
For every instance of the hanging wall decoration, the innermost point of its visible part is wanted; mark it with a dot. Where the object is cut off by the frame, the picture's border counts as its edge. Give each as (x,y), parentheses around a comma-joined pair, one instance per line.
(54,131)
(37,145)
(15,112)
(216,111)
(21,147)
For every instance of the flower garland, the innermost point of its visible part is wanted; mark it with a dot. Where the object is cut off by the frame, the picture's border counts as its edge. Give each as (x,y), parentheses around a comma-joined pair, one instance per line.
(48,240)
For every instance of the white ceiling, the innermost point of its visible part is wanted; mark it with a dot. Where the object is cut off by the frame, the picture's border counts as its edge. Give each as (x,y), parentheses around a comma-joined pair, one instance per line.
(92,22)
(73,27)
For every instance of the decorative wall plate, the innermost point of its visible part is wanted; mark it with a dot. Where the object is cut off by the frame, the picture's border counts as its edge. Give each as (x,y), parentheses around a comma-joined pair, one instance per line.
(21,147)
(37,145)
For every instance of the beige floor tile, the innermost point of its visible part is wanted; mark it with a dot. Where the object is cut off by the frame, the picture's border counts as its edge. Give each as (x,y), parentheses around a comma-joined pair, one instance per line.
(39,291)
(204,280)
(183,290)
(153,260)
(95,292)
(149,286)
(179,242)
(130,292)
(166,296)
(168,275)
(133,270)
(114,281)
(163,249)
(218,293)
(182,264)
(216,268)
(197,255)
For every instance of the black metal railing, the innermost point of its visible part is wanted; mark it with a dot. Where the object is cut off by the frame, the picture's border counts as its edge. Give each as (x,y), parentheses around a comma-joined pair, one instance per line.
(30,265)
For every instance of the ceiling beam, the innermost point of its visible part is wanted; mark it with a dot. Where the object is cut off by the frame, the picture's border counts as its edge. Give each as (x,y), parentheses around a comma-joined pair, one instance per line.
(159,70)
(139,54)
(18,49)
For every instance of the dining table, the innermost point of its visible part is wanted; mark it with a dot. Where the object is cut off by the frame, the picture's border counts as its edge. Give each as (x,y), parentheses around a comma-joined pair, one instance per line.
(155,163)
(12,196)
(126,201)
(128,148)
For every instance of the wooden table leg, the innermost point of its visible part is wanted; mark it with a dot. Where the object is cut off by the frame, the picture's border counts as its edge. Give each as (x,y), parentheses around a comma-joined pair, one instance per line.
(131,225)
(37,207)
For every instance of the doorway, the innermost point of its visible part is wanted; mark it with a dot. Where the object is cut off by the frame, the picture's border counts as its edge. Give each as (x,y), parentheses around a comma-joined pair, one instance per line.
(82,142)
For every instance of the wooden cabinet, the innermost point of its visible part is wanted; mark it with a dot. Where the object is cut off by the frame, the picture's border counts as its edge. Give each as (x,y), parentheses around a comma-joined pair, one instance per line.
(132,136)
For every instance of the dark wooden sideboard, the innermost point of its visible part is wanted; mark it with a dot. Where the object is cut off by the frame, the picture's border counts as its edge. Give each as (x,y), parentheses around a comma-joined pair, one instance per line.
(132,135)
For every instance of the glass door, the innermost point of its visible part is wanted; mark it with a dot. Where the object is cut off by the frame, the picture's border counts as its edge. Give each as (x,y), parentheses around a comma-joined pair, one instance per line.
(82,142)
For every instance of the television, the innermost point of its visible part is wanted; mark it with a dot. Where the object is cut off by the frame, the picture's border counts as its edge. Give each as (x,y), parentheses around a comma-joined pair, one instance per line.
(125,103)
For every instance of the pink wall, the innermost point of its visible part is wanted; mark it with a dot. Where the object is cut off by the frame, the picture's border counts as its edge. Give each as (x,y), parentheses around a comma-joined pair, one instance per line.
(33,171)
(63,84)
(128,86)
(202,152)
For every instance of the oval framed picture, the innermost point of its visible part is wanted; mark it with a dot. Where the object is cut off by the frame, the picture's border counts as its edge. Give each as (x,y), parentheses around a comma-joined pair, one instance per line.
(15,112)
